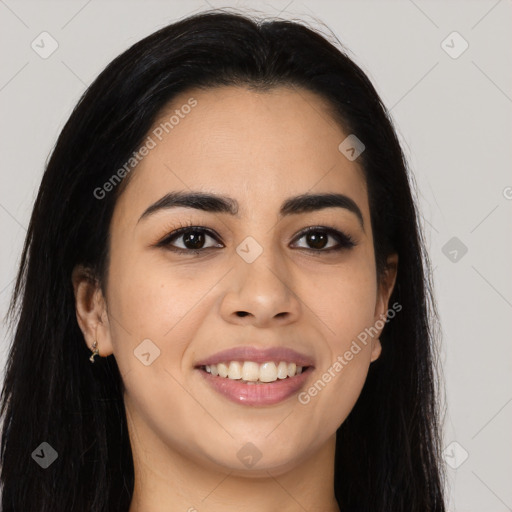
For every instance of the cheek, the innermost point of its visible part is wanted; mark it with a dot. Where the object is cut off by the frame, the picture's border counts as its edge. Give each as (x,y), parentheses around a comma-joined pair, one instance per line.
(345,302)
(157,302)
(152,303)
(345,299)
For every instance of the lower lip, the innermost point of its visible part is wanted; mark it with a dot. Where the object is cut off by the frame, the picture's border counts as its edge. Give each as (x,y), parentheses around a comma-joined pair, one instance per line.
(257,394)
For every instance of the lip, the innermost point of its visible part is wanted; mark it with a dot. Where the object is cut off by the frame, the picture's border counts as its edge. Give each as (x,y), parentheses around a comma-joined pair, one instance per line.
(260,356)
(257,394)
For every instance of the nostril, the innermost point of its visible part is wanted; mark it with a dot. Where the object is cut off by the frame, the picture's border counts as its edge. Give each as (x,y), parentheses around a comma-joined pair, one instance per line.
(242,313)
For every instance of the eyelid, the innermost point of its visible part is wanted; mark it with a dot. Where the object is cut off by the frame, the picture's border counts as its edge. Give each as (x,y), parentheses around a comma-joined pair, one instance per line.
(182,229)
(344,239)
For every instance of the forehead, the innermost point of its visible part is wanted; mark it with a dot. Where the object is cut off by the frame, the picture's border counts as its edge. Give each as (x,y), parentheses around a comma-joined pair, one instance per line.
(260,147)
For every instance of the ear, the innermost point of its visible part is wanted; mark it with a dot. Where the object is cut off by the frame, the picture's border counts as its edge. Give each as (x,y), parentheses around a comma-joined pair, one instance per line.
(386,285)
(91,310)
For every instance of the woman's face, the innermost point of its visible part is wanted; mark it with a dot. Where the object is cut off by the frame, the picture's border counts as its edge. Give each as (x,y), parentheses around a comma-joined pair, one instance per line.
(258,282)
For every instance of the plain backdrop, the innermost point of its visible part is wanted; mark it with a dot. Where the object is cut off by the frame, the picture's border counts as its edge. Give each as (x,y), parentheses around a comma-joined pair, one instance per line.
(451,100)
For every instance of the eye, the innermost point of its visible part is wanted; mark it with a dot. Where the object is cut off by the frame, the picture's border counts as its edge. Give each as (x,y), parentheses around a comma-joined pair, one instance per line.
(317,238)
(192,240)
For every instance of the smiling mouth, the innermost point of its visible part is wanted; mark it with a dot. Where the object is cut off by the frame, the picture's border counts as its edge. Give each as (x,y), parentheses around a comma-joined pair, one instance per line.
(256,390)
(250,372)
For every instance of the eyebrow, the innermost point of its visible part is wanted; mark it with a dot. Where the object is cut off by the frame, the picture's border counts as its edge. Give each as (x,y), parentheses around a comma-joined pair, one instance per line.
(221,204)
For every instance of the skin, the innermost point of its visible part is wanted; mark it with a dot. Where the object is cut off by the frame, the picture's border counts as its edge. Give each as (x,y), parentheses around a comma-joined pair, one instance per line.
(185,436)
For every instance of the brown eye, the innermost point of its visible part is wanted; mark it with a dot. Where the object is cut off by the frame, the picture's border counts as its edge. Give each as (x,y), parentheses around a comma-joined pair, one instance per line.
(192,240)
(317,239)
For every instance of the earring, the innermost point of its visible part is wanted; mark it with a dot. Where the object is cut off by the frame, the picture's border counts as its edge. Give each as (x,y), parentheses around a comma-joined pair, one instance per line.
(95,351)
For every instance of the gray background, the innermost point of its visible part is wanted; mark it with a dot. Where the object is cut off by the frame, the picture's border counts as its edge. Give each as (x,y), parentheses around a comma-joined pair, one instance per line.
(454,119)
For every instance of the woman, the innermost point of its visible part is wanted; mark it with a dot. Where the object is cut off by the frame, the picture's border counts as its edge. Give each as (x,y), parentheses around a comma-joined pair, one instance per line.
(225,229)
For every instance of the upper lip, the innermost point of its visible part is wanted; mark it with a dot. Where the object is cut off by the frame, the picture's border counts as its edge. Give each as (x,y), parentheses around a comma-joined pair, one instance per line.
(258,355)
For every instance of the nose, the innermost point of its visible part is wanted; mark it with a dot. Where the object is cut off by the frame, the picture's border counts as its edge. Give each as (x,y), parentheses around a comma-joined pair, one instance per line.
(260,294)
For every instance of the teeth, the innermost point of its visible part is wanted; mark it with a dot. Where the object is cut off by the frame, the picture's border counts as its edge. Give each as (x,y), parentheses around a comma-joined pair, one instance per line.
(282,370)
(252,372)
(223,369)
(235,370)
(268,372)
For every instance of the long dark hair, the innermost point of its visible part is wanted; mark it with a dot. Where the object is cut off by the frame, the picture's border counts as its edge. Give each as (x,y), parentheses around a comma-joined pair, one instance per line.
(388,451)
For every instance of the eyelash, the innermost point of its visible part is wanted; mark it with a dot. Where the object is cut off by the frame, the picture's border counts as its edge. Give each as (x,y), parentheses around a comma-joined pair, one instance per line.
(344,240)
